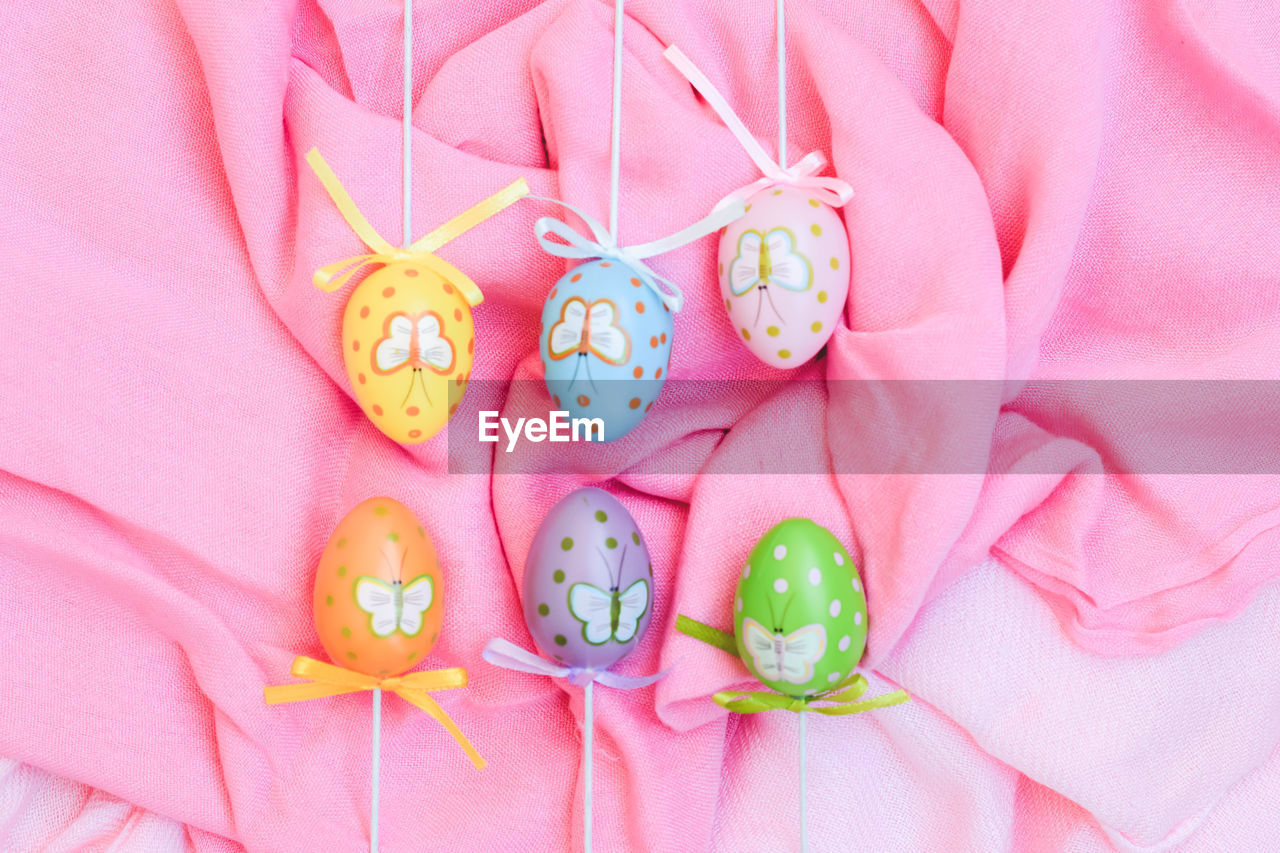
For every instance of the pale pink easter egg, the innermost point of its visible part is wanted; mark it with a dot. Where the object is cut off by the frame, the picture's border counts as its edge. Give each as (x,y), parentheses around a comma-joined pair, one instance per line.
(784,275)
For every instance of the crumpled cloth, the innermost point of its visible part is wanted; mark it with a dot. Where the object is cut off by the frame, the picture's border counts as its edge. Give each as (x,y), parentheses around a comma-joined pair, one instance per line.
(1061,191)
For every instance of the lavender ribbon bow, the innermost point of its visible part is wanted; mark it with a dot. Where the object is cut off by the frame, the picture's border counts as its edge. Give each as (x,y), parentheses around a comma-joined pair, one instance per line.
(508,655)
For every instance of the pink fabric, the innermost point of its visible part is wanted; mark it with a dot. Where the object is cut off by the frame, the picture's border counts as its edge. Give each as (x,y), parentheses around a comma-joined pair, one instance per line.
(1044,190)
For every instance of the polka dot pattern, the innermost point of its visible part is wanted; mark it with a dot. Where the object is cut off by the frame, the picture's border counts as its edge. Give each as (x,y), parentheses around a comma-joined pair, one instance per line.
(802,581)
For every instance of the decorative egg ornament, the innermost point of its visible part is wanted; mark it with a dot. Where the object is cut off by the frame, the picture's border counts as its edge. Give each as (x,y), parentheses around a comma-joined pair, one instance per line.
(408,339)
(379,591)
(800,627)
(378,605)
(588,581)
(607,325)
(408,342)
(588,599)
(784,274)
(800,616)
(606,345)
(784,266)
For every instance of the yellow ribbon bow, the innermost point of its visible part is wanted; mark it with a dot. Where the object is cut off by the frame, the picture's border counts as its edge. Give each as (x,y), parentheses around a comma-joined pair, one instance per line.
(325,679)
(840,700)
(333,276)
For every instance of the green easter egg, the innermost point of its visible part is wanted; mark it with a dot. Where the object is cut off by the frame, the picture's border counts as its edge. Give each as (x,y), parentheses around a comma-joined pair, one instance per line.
(800,616)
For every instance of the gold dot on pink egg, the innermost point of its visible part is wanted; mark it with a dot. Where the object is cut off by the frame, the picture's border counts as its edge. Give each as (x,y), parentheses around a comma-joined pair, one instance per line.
(457,315)
(411,411)
(410,272)
(388,292)
(364,312)
(377,410)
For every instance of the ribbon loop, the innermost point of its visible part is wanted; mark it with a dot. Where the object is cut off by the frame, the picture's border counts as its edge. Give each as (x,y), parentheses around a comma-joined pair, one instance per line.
(508,655)
(574,245)
(325,679)
(832,191)
(333,276)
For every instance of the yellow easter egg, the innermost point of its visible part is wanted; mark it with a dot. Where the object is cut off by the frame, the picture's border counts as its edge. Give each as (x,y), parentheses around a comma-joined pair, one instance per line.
(379,593)
(408,342)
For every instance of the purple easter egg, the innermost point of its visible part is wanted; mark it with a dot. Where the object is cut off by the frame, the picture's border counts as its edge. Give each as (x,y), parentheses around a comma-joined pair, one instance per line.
(588,581)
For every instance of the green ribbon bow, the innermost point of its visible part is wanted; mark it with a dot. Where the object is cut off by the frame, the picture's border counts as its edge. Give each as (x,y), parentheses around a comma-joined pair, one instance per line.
(840,700)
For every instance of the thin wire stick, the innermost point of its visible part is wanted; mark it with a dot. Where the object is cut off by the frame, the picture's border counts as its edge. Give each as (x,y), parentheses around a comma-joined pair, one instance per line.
(615,150)
(377,769)
(804,787)
(782,88)
(588,747)
(407,145)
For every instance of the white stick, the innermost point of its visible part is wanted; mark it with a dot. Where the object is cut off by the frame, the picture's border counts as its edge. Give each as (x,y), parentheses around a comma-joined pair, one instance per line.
(804,793)
(782,88)
(615,150)
(407,129)
(377,769)
(587,749)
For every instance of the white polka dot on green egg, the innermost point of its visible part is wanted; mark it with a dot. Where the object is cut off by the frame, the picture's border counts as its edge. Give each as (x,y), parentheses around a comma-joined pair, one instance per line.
(799,619)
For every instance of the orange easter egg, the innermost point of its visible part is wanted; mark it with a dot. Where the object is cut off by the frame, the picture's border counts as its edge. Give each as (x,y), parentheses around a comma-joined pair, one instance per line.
(408,342)
(379,594)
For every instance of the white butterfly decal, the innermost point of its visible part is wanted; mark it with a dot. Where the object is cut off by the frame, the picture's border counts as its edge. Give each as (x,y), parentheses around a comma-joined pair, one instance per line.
(764,259)
(593,328)
(419,344)
(790,657)
(769,258)
(608,614)
(394,606)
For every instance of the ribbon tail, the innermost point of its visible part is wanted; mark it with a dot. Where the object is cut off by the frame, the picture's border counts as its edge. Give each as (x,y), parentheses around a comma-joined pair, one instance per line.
(508,655)
(346,206)
(739,702)
(722,640)
(895,698)
(714,221)
(426,703)
(629,682)
(472,216)
(717,102)
(279,694)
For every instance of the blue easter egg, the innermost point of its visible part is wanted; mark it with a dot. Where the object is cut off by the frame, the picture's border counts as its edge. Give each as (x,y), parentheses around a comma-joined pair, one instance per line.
(605,344)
